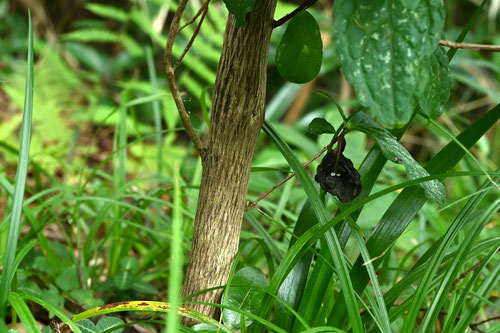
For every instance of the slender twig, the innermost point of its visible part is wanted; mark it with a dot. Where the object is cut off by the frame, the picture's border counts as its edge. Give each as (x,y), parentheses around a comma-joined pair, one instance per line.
(202,8)
(191,41)
(467,46)
(306,4)
(265,194)
(474,326)
(169,70)
(467,272)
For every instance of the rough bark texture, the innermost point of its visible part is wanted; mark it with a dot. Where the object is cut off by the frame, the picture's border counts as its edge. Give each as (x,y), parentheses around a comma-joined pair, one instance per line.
(237,117)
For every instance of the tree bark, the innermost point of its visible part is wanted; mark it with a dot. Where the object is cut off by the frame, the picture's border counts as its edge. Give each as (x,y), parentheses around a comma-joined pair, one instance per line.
(237,116)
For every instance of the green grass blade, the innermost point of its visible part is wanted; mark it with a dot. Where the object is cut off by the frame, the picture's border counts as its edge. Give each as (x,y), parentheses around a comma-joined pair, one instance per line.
(437,259)
(176,258)
(292,289)
(204,100)
(292,257)
(380,311)
(451,317)
(401,309)
(324,329)
(330,236)
(52,309)
(314,293)
(21,173)
(119,174)
(316,232)
(311,309)
(465,31)
(369,171)
(269,325)
(419,268)
(156,108)
(407,204)
(29,322)
(452,137)
(23,252)
(490,283)
(453,270)
(320,277)
(275,250)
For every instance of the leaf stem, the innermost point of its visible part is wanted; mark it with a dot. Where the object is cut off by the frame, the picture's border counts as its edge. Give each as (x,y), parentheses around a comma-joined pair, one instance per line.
(265,194)
(306,4)
(203,11)
(169,70)
(468,46)
(202,8)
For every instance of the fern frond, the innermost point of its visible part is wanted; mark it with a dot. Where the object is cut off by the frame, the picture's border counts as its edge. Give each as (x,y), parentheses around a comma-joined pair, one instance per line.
(146,25)
(93,35)
(131,46)
(107,11)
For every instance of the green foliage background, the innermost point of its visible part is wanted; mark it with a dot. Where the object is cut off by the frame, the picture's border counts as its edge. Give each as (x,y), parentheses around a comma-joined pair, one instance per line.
(105,191)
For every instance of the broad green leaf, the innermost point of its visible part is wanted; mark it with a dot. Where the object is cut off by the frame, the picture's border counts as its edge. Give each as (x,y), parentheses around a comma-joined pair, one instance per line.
(143,287)
(124,280)
(87,326)
(41,263)
(129,263)
(300,51)
(106,323)
(53,297)
(385,48)
(68,280)
(85,297)
(319,126)
(396,152)
(437,91)
(205,328)
(245,292)
(240,8)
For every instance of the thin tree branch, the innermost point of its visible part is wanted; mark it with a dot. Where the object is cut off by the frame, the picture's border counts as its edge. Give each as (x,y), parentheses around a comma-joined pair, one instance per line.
(474,326)
(467,272)
(195,33)
(169,70)
(201,10)
(467,46)
(265,194)
(306,4)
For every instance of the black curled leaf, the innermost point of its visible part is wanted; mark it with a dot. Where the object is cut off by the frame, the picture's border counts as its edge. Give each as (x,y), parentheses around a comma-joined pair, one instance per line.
(337,176)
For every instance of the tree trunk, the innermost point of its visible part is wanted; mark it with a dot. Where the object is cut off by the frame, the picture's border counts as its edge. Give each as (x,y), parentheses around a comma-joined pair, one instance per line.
(237,117)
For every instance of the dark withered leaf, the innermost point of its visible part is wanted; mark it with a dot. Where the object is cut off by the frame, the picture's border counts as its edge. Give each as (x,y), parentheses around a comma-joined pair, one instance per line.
(337,176)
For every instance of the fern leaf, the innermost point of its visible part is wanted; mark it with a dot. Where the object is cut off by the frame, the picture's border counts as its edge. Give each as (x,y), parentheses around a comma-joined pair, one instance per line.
(92,35)
(107,11)
(131,46)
